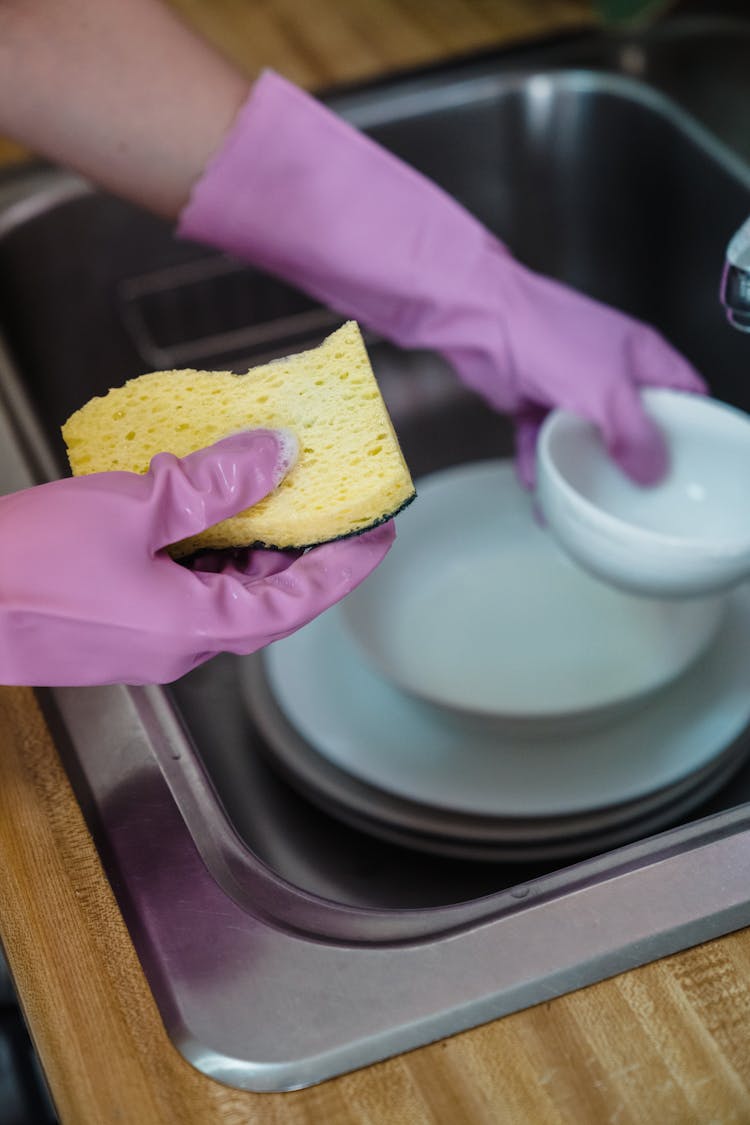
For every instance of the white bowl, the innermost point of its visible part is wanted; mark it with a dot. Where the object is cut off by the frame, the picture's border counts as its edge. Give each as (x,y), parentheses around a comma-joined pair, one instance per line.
(476,610)
(688,535)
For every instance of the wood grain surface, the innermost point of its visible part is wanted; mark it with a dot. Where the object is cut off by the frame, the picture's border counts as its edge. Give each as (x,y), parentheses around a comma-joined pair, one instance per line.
(667,1044)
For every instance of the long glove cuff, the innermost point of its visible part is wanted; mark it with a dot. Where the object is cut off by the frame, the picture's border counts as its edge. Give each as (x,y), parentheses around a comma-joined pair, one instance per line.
(301,193)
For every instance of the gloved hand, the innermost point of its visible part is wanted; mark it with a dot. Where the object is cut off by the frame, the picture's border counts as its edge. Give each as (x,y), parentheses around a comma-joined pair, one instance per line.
(299,192)
(89,595)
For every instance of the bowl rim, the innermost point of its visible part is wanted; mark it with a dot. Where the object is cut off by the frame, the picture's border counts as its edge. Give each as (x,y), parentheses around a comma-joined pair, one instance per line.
(621,528)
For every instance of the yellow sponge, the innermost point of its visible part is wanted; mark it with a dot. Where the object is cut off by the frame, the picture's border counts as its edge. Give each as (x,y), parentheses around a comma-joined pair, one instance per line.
(350,474)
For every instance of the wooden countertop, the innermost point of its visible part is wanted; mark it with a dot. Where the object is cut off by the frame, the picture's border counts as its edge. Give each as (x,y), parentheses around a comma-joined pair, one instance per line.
(668,1043)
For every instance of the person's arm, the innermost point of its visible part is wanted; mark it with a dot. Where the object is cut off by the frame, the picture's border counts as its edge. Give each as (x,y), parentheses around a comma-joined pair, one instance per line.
(128,96)
(298,191)
(90,595)
(122,91)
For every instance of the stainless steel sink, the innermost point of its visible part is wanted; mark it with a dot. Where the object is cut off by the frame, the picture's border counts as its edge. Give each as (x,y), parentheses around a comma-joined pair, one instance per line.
(282,946)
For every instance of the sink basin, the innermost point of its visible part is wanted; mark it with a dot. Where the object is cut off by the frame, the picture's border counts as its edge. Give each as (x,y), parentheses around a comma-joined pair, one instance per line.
(282,946)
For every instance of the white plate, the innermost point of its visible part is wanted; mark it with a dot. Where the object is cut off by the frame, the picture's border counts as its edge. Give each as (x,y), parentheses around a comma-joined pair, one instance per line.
(542,851)
(365,726)
(465,835)
(477,609)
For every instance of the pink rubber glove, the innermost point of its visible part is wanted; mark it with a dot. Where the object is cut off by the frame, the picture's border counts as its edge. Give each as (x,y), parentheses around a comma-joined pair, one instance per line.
(89,595)
(302,194)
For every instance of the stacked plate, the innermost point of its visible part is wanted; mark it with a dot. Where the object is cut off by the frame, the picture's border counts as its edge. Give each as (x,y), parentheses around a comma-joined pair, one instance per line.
(482,697)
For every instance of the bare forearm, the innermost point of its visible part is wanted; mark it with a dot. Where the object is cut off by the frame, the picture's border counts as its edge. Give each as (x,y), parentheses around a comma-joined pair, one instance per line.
(119,90)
